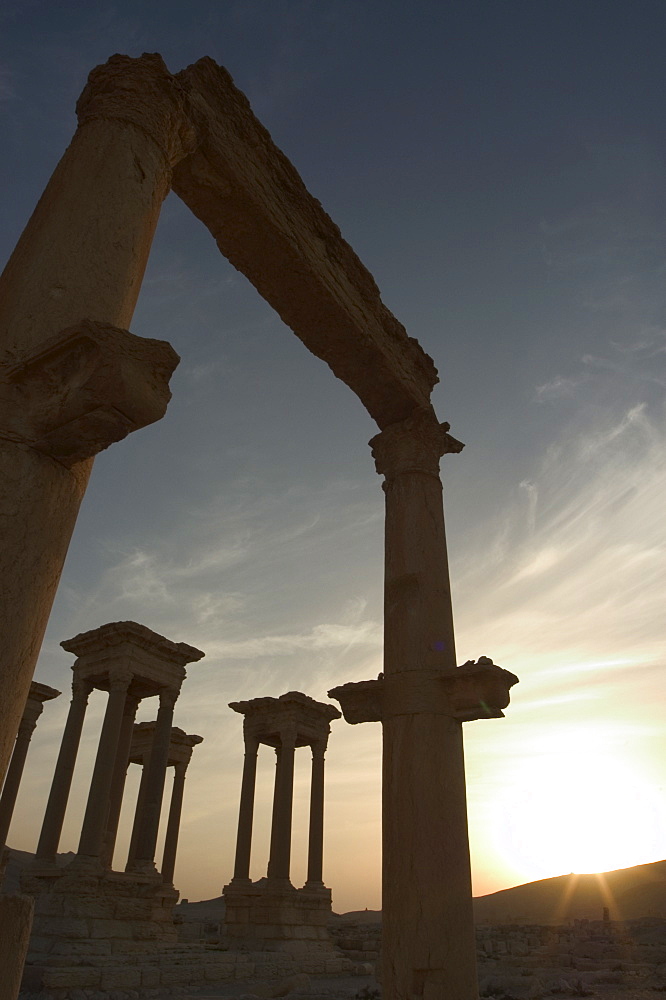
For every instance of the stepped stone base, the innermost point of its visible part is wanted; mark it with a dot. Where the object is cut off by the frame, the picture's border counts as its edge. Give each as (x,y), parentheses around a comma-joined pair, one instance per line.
(265,916)
(191,966)
(96,913)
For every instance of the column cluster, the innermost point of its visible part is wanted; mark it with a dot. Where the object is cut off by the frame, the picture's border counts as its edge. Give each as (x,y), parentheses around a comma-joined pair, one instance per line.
(293,720)
(179,755)
(39,693)
(130,662)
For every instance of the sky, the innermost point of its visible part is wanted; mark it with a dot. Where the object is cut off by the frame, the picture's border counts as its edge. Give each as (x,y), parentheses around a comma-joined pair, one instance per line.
(498,167)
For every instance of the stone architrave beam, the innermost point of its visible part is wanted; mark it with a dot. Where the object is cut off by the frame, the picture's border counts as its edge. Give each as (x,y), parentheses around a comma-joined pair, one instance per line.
(253,201)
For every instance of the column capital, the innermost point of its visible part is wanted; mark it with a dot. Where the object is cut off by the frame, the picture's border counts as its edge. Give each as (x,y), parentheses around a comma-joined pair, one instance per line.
(143,93)
(120,678)
(288,736)
(27,725)
(180,768)
(412,445)
(81,689)
(132,704)
(318,748)
(168,697)
(251,742)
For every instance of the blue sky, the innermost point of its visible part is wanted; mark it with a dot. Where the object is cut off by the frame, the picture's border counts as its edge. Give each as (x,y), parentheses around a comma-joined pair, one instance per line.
(499,169)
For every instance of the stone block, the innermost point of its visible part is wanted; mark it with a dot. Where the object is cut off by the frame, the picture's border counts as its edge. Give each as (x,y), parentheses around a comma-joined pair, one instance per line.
(150,978)
(121,978)
(132,909)
(49,904)
(68,976)
(87,906)
(79,946)
(68,927)
(110,929)
(183,974)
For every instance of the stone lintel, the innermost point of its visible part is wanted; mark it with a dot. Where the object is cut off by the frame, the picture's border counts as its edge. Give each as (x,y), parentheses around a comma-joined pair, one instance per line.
(475,690)
(157,663)
(85,388)
(256,206)
(180,747)
(266,718)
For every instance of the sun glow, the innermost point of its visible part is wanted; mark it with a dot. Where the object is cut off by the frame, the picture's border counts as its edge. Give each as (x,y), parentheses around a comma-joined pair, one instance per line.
(579,804)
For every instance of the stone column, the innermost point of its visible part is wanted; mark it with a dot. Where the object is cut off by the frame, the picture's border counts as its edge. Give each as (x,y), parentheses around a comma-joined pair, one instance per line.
(316,830)
(280,851)
(246,811)
(39,693)
(118,779)
(428,942)
(138,817)
(97,809)
(56,806)
(146,842)
(173,824)
(82,256)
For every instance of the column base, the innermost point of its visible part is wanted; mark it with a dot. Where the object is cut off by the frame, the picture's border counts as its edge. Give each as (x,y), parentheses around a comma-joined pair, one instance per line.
(272,915)
(89,916)
(142,867)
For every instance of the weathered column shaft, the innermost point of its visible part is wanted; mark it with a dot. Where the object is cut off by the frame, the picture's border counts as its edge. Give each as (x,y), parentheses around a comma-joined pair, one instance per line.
(173,823)
(56,806)
(14,774)
(82,255)
(138,816)
(154,789)
(428,942)
(97,809)
(118,779)
(246,810)
(316,830)
(280,850)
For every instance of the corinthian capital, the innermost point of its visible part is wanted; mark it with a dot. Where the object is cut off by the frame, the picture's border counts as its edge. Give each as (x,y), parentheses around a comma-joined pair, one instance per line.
(413,445)
(143,93)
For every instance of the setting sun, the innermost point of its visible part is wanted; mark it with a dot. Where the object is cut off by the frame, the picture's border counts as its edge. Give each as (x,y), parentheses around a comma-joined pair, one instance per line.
(588,808)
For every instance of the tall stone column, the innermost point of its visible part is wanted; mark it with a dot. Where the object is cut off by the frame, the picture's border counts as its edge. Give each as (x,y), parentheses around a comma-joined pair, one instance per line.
(54,817)
(316,829)
(146,842)
(39,693)
(118,779)
(173,823)
(280,850)
(97,809)
(138,817)
(428,941)
(246,811)
(65,396)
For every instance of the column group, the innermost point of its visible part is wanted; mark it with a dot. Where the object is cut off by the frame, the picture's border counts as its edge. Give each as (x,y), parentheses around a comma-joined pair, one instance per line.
(130,662)
(285,723)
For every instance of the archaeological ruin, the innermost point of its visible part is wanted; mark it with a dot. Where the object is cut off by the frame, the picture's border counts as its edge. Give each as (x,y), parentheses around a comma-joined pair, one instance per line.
(271,913)
(73,381)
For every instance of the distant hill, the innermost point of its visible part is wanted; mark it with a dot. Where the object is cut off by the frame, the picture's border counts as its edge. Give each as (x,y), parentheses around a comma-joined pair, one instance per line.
(629,893)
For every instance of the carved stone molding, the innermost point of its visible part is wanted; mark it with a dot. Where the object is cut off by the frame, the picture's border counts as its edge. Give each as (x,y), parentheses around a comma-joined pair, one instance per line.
(476,690)
(83,389)
(415,444)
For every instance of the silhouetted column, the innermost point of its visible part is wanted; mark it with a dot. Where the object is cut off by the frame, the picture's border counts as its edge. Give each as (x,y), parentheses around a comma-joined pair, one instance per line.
(118,779)
(173,823)
(316,831)
(146,842)
(280,851)
(97,809)
(246,811)
(14,773)
(117,171)
(56,806)
(138,816)
(428,941)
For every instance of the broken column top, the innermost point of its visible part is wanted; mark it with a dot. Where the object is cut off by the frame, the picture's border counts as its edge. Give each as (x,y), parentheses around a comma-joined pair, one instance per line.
(180,746)
(156,663)
(265,718)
